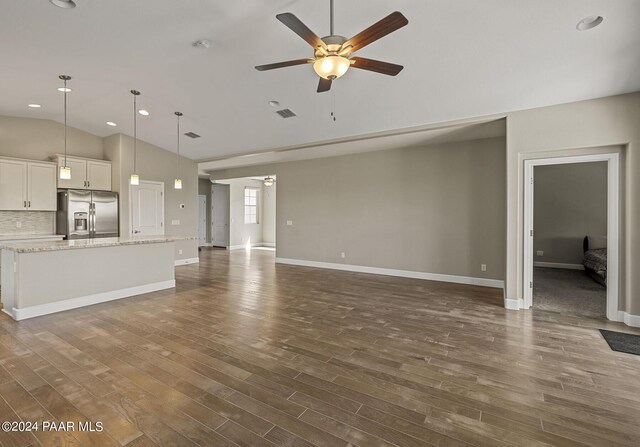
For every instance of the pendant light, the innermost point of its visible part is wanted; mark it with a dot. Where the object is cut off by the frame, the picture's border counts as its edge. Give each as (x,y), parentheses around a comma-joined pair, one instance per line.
(135,179)
(177,184)
(65,171)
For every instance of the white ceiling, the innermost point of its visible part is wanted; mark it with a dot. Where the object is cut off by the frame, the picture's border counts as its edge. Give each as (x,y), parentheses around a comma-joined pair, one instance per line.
(462,59)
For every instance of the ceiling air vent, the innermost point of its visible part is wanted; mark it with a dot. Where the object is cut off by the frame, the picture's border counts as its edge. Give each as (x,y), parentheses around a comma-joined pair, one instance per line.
(192,135)
(286,113)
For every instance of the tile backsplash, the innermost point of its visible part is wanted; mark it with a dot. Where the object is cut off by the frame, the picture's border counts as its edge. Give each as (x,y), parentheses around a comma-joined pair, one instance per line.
(31,222)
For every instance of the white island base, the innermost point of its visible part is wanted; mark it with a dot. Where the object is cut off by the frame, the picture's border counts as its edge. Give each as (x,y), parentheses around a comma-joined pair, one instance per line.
(40,279)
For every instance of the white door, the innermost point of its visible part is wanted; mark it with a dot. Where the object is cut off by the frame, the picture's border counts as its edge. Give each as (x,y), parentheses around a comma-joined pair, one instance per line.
(202,221)
(220,215)
(78,178)
(41,186)
(147,208)
(98,175)
(13,185)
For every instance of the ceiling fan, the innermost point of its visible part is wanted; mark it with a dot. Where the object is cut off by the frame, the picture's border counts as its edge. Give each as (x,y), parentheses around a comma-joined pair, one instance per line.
(332,54)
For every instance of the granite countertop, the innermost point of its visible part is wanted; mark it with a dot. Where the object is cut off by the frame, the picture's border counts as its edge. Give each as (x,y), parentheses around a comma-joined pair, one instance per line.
(20,237)
(38,246)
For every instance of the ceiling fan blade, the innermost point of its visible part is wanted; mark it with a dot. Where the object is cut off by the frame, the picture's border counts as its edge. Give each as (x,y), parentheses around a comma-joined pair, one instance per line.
(296,25)
(385,68)
(283,64)
(324,85)
(378,30)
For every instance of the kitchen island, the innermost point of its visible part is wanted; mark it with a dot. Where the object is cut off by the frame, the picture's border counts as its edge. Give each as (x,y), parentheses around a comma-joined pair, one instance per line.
(40,278)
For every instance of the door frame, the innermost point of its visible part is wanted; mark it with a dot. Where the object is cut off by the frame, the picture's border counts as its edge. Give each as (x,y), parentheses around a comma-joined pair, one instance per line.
(202,197)
(146,182)
(227,189)
(613,223)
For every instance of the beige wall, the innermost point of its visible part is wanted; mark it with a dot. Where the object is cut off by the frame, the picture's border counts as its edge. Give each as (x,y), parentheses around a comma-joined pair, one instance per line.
(38,139)
(570,202)
(156,164)
(578,128)
(434,209)
(240,233)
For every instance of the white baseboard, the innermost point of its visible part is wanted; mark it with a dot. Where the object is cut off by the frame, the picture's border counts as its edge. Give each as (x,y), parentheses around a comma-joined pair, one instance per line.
(73,303)
(186,261)
(629,319)
(254,244)
(513,303)
(558,265)
(393,272)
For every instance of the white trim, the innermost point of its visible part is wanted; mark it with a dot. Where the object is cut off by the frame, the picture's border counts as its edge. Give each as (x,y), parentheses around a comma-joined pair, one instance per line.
(558,265)
(186,261)
(73,303)
(495,283)
(629,319)
(513,304)
(253,244)
(613,222)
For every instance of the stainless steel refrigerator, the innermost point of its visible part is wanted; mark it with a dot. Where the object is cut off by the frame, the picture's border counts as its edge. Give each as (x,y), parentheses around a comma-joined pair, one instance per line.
(87,214)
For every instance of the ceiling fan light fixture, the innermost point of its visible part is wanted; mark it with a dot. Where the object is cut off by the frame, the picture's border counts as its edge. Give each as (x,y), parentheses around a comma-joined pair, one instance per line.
(268,181)
(331,67)
(66,4)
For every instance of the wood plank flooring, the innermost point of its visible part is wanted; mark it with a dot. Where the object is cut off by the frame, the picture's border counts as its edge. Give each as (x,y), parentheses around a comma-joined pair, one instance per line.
(247,353)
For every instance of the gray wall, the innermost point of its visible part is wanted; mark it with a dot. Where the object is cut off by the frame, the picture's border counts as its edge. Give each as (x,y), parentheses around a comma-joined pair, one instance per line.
(570,202)
(157,164)
(572,129)
(435,209)
(240,233)
(38,139)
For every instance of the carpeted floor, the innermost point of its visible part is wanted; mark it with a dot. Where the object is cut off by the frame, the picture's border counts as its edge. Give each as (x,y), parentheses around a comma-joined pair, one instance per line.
(570,292)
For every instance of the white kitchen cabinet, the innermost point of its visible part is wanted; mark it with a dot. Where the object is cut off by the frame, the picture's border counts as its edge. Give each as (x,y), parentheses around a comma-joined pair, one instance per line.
(99,175)
(78,178)
(86,174)
(13,185)
(41,186)
(26,185)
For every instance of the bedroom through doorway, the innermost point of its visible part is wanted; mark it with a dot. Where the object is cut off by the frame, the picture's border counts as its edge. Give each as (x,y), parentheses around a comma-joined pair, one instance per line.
(569,214)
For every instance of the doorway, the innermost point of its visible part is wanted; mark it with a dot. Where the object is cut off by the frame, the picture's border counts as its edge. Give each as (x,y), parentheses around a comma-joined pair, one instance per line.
(202,220)
(565,276)
(147,208)
(219,215)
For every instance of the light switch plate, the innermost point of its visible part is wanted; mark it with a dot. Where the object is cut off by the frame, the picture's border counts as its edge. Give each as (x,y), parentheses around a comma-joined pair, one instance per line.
(289,223)
(175,222)
(539,253)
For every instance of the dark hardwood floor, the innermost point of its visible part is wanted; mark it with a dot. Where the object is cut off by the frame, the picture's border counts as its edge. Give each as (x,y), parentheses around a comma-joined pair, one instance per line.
(251,354)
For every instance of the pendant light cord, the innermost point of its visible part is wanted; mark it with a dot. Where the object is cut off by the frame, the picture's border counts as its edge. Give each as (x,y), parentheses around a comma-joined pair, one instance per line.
(331,17)
(65,123)
(135,132)
(178,114)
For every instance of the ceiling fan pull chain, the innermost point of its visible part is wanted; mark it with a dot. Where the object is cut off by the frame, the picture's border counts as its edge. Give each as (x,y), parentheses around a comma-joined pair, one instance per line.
(333,106)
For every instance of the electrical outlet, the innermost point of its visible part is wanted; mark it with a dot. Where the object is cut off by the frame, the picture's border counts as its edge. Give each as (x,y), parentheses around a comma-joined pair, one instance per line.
(483,267)
(289,223)
(342,255)
(539,253)
(18,224)
(179,252)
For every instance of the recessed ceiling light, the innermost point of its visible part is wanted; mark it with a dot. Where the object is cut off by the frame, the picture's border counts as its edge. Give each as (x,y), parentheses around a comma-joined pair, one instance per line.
(66,4)
(143,112)
(589,23)
(64,89)
(111,123)
(35,106)
(274,103)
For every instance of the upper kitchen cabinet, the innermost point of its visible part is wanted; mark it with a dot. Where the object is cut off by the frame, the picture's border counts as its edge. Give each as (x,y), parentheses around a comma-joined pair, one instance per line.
(27,185)
(86,174)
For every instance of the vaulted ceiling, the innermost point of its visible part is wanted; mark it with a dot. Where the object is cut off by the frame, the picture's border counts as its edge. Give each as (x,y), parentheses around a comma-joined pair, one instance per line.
(462,59)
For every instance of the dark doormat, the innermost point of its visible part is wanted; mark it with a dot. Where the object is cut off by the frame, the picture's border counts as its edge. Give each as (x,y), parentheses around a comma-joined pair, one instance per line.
(621,342)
